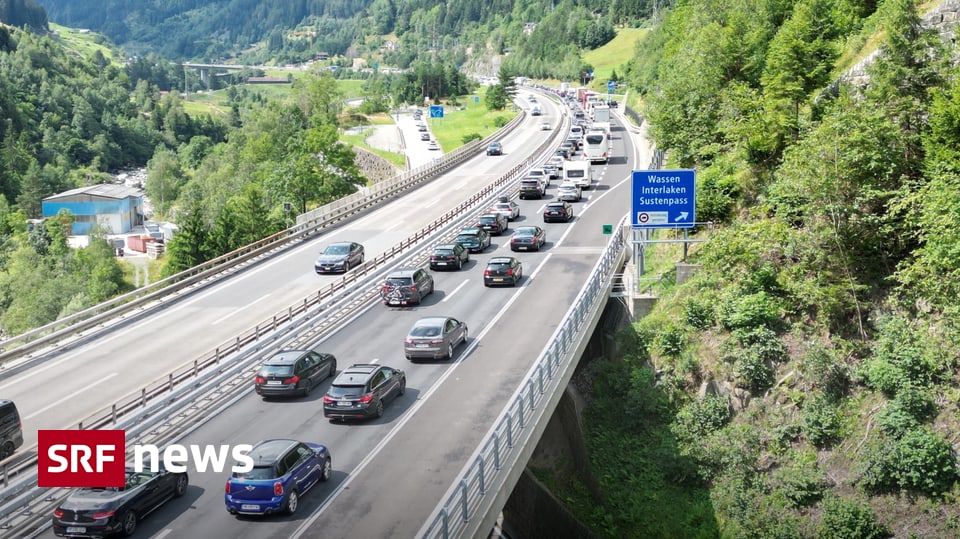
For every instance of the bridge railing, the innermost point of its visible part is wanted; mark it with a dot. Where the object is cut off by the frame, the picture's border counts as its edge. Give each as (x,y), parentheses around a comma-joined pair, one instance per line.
(491,474)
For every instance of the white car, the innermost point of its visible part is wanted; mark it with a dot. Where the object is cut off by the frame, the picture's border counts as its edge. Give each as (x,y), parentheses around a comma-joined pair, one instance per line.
(433,145)
(545,126)
(569,192)
(540,174)
(557,161)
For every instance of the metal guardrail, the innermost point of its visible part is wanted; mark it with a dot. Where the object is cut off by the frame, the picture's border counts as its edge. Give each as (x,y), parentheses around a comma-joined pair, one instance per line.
(470,498)
(58,331)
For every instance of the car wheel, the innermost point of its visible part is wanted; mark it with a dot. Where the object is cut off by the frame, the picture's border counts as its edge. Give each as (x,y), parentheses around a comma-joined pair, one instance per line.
(293,501)
(333,370)
(181,487)
(379,411)
(129,524)
(327,470)
(307,387)
(459,264)
(450,351)
(6,450)
(346,267)
(403,387)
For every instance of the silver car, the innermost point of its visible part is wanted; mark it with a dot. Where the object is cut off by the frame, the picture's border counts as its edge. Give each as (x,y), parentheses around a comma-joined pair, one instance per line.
(434,338)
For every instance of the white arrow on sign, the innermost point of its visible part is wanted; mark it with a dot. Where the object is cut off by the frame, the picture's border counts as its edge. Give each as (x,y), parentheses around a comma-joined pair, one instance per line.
(682,217)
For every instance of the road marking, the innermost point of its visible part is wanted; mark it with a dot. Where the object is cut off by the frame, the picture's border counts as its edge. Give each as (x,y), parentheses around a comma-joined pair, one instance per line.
(70,396)
(455,290)
(235,311)
(163,534)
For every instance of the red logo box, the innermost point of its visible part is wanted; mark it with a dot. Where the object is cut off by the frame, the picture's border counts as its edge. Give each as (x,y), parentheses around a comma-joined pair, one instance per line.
(81,458)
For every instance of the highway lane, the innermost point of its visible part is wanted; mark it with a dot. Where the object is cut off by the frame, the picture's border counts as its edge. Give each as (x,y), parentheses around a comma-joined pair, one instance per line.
(81,381)
(391,472)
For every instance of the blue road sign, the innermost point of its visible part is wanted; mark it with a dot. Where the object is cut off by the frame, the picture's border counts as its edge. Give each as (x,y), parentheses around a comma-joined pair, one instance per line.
(664,198)
(611,86)
(476,99)
(436,111)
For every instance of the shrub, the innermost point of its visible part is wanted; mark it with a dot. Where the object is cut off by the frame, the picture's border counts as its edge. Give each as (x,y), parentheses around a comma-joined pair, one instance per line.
(698,315)
(670,341)
(740,310)
(848,519)
(752,370)
(894,421)
(821,423)
(920,461)
(821,367)
(884,377)
(916,401)
(801,483)
(702,417)
(471,136)
(500,121)
(763,341)
(908,346)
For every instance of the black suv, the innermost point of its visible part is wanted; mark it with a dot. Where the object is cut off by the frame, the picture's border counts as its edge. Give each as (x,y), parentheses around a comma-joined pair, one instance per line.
(449,255)
(503,270)
(494,223)
(557,211)
(406,286)
(361,391)
(11,429)
(294,372)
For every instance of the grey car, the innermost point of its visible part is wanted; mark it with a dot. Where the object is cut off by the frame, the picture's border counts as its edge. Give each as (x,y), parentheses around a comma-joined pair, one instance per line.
(434,338)
(406,286)
(339,257)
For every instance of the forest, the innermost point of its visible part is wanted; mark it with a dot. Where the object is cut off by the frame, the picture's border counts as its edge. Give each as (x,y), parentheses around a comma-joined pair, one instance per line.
(805,382)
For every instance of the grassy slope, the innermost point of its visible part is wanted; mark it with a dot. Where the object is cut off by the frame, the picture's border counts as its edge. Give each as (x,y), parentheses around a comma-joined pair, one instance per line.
(614,54)
(85,43)
(474,118)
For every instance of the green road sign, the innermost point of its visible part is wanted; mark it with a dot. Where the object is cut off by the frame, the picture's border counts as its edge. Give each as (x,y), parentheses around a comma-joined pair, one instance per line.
(608,229)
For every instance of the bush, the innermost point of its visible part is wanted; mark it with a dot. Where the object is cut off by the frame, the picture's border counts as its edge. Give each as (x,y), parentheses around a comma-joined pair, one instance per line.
(847,519)
(802,483)
(764,342)
(908,346)
(472,136)
(752,370)
(701,418)
(698,315)
(884,377)
(920,461)
(670,341)
(821,423)
(739,310)
(500,121)
(821,367)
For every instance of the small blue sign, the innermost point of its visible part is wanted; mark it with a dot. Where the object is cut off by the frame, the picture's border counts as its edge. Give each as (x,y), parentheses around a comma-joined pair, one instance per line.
(436,111)
(664,198)
(476,99)
(611,86)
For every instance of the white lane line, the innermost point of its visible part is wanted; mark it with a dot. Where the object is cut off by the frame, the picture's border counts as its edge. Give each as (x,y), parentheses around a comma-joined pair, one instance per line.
(70,396)
(238,309)
(455,290)
(163,534)
(410,413)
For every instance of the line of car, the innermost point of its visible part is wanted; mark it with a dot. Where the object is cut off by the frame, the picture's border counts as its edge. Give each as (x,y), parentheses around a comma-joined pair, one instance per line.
(285,469)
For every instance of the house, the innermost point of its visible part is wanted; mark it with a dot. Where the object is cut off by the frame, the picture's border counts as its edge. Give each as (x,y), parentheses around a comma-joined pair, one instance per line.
(116,208)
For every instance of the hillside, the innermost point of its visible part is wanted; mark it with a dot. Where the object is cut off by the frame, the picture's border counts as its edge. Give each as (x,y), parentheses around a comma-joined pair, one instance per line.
(805,383)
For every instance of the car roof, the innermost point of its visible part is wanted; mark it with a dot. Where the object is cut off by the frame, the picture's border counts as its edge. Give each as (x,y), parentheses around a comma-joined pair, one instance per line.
(266,452)
(356,373)
(525,229)
(558,203)
(493,144)
(286,357)
(431,321)
(471,230)
(446,246)
(342,243)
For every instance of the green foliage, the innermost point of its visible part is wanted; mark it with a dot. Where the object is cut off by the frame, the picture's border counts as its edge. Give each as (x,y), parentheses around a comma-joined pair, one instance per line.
(826,372)
(821,421)
(843,518)
(748,310)
(671,340)
(905,353)
(919,461)
(912,407)
(701,418)
(471,136)
(801,482)
(500,121)
(698,314)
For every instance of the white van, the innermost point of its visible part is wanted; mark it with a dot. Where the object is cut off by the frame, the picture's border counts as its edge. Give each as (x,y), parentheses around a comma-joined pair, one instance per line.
(579,172)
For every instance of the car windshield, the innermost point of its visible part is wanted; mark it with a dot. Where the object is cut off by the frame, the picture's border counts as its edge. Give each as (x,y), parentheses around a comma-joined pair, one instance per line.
(258,472)
(525,232)
(488,219)
(467,237)
(399,281)
(276,370)
(555,207)
(498,265)
(445,252)
(536,172)
(503,207)
(425,331)
(336,250)
(596,138)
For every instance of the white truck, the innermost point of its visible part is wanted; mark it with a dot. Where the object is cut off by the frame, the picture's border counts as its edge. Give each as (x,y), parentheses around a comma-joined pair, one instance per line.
(601,118)
(579,172)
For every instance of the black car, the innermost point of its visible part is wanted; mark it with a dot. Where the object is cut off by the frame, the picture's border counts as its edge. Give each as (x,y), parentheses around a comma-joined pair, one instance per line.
(11,429)
(503,270)
(294,372)
(449,255)
(473,239)
(494,223)
(361,391)
(101,512)
(406,286)
(495,148)
(339,257)
(563,152)
(527,238)
(557,211)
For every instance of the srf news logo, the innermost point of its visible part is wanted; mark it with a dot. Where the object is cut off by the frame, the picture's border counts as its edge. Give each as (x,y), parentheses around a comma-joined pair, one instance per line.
(96,458)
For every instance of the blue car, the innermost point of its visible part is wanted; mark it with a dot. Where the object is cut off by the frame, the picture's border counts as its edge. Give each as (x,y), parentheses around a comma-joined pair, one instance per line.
(283,470)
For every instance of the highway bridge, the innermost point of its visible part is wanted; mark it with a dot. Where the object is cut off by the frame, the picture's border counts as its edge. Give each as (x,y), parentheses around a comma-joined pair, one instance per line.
(392,475)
